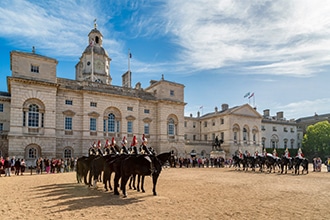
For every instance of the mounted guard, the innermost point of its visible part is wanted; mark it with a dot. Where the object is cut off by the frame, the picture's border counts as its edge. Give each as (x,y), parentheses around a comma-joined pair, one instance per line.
(123,146)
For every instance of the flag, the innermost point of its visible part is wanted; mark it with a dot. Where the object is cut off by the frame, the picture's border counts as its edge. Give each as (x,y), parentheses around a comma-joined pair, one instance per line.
(130,55)
(247,94)
(201,107)
(251,95)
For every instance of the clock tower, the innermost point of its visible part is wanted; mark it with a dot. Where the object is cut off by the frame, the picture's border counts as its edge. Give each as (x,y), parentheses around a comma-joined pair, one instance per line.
(94,64)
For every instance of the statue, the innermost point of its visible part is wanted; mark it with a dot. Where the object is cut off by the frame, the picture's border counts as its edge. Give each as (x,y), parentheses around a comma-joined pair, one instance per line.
(217,144)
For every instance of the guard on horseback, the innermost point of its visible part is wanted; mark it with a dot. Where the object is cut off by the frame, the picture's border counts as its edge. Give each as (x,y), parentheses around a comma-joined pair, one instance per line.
(112,146)
(99,151)
(275,155)
(106,148)
(91,150)
(240,154)
(123,146)
(144,148)
(287,153)
(134,149)
(300,154)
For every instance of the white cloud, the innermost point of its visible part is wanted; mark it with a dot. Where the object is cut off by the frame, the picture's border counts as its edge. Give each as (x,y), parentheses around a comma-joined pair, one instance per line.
(291,37)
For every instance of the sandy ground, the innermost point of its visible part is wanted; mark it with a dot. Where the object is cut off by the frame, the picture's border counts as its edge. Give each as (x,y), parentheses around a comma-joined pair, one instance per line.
(193,193)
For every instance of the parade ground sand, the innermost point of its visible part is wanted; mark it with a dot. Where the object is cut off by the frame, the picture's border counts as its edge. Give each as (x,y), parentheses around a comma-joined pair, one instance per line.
(183,193)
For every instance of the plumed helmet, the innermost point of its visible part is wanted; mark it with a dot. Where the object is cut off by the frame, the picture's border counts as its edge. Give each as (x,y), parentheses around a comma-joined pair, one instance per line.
(99,143)
(106,143)
(124,141)
(134,141)
(144,139)
(113,141)
(94,145)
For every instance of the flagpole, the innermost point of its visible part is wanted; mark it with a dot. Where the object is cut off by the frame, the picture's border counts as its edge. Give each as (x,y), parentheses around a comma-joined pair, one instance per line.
(92,61)
(129,60)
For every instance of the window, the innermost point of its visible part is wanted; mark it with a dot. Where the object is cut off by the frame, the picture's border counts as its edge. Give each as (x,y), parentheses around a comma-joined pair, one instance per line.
(285,143)
(33,119)
(1,127)
(292,142)
(274,128)
(92,124)
(68,102)
(1,107)
(24,119)
(171,92)
(194,124)
(171,127)
(205,124)
(185,124)
(263,142)
(222,136)
(213,123)
(129,127)
(111,122)
(235,136)
(245,134)
(146,128)
(68,123)
(194,137)
(263,127)
(292,130)
(93,104)
(205,137)
(213,136)
(32,153)
(254,138)
(67,153)
(104,125)
(285,129)
(222,121)
(34,68)
(146,111)
(185,136)
(130,109)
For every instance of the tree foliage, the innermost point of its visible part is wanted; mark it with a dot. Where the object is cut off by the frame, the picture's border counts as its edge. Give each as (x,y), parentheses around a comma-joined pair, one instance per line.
(316,141)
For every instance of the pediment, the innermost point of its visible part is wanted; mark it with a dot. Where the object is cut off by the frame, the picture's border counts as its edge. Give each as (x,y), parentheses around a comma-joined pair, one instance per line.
(93,114)
(68,113)
(246,110)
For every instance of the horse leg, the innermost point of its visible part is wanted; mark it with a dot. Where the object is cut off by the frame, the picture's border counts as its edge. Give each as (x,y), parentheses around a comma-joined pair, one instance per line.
(142,184)
(116,184)
(138,183)
(154,180)
(124,180)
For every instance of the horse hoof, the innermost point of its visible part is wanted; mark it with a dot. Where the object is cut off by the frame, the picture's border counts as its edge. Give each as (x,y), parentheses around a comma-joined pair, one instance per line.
(124,196)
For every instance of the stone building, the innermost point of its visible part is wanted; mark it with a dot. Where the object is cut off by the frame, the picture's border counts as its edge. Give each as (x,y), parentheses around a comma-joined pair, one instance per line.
(241,128)
(43,115)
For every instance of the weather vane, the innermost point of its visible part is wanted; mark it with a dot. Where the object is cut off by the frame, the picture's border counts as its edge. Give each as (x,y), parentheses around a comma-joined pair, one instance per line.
(95,25)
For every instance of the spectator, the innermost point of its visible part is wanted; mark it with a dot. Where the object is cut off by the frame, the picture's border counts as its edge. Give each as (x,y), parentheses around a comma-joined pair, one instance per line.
(23,166)
(7,166)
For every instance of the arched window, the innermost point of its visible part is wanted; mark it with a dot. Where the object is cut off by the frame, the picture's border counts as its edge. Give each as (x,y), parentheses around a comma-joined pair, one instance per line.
(171,127)
(245,134)
(111,122)
(67,153)
(33,118)
(32,153)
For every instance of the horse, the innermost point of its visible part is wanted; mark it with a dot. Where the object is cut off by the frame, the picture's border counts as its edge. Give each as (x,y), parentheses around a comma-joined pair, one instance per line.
(271,162)
(142,165)
(285,162)
(297,161)
(83,167)
(261,161)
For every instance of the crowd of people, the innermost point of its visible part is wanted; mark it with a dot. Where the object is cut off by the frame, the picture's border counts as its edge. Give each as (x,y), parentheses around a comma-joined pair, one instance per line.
(18,166)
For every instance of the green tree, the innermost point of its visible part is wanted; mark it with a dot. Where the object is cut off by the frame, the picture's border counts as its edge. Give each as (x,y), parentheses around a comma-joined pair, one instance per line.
(316,141)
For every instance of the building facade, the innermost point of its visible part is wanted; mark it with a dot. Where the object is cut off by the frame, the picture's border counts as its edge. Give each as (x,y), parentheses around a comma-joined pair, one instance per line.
(47,116)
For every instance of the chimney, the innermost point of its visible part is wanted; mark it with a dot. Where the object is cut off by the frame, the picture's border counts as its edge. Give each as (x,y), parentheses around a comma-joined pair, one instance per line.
(198,114)
(224,107)
(216,109)
(279,115)
(190,115)
(266,113)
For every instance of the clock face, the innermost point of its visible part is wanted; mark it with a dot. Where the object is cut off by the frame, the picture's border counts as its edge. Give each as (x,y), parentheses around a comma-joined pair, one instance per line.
(99,65)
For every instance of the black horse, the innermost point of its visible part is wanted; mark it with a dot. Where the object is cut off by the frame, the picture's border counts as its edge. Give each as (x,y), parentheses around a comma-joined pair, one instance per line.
(143,165)
(297,162)
(83,167)
(271,162)
(286,163)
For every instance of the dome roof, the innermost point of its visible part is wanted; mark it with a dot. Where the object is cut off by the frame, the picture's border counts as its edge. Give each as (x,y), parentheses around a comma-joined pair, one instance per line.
(96,31)
(96,49)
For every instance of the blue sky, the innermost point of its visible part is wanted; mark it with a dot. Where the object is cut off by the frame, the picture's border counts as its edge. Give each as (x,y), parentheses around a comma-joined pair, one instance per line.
(219,49)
